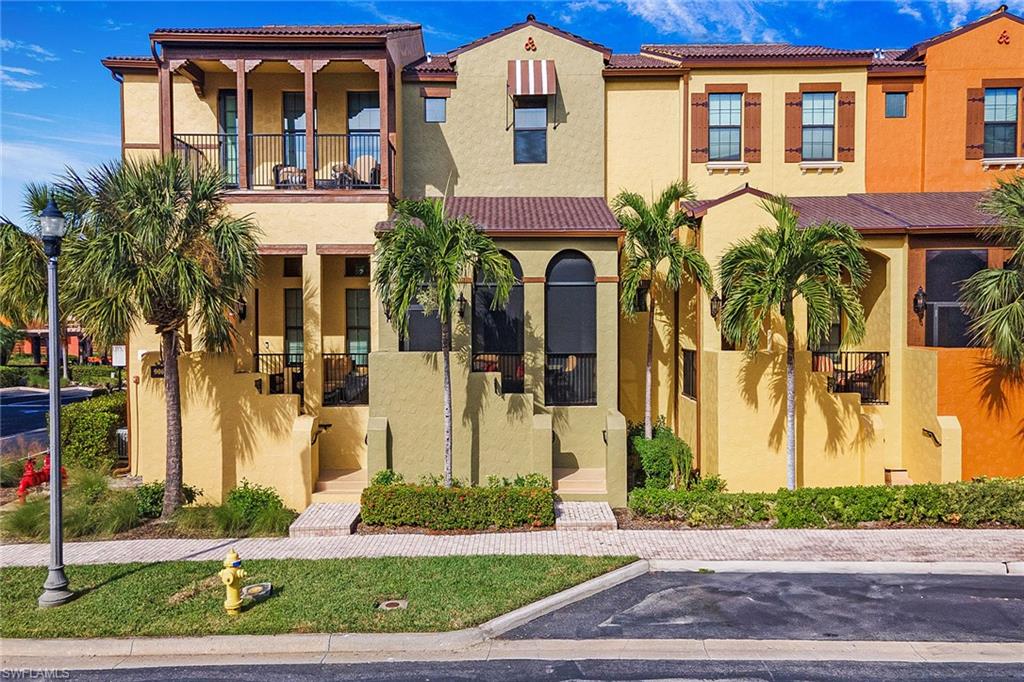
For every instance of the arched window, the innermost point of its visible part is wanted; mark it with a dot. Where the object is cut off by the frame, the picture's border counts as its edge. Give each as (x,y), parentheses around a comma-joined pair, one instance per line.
(570,331)
(498,333)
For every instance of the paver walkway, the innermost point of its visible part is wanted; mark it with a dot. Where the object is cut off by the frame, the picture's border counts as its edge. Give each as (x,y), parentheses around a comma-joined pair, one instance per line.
(707,545)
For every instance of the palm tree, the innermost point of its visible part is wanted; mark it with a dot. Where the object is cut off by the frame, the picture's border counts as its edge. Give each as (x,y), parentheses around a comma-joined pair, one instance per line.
(821,264)
(995,297)
(652,239)
(159,247)
(23,275)
(422,259)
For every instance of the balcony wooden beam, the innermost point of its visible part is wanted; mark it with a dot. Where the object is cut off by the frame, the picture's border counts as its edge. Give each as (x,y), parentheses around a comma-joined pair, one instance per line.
(307,72)
(242,126)
(165,79)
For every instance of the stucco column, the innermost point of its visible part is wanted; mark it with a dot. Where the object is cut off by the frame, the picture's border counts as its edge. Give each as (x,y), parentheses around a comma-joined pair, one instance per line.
(312,341)
(533,335)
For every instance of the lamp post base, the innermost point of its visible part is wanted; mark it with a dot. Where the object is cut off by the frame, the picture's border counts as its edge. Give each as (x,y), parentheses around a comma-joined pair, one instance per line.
(55,589)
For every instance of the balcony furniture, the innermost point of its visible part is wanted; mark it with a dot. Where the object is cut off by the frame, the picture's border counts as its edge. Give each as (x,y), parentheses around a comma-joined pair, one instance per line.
(509,365)
(289,177)
(570,379)
(861,372)
(346,379)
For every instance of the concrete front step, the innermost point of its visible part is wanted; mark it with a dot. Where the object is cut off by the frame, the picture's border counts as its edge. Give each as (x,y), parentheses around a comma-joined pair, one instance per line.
(325,520)
(579,481)
(584,516)
(331,497)
(341,481)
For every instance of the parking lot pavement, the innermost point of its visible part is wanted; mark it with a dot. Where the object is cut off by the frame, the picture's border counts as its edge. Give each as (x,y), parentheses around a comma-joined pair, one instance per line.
(23,411)
(814,606)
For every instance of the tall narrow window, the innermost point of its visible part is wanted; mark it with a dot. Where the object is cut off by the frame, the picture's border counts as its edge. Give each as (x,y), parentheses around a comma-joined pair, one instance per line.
(227,132)
(293,325)
(570,331)
(498,333)
(724,120)
(690,373)
(294,128)
(819,118)
(946,323)
(364,133)
(531,130)
(357,324)
(1001,113)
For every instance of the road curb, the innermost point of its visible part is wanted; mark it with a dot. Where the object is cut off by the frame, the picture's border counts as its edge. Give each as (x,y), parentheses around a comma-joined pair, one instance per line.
(866,567)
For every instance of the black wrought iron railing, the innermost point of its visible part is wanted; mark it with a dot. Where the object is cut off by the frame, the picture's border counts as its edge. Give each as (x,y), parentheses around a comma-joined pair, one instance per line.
(277,160)
(218,150)
(284,371)
(570,379)
(346,379)
(509,365)
(862,372)
(347,161)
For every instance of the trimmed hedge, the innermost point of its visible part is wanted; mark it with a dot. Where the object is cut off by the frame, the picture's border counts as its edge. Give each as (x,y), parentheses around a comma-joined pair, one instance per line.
(88,431)
(462,508)
(13,376)
(966,504)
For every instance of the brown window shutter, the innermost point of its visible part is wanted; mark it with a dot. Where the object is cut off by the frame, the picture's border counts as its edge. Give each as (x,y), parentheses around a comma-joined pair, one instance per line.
(975,123)
(794,127)
(752,127)
(846,126)
(699,122)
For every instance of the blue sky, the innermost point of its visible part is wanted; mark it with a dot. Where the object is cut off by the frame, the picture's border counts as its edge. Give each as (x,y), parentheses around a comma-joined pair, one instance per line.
(59,106)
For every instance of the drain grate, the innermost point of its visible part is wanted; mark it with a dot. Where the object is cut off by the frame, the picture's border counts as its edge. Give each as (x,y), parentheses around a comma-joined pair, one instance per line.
(393,604)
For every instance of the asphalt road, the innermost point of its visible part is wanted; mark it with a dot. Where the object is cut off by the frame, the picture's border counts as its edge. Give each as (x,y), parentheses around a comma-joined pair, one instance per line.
(983,608)
(23,411)
(537,671)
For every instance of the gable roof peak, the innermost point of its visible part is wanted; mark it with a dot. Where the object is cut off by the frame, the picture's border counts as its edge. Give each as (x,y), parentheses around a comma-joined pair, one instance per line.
(531,20)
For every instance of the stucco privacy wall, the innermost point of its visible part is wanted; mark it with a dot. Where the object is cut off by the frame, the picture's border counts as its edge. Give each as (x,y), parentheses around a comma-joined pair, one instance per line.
(471,153)
(230,431)
(931,442)
(772,174)
(988,403)
(492,432)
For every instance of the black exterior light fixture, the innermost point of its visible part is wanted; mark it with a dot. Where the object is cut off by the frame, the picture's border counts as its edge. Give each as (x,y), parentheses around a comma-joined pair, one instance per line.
(462,304)
(716,305)
(243,308)
(920,302)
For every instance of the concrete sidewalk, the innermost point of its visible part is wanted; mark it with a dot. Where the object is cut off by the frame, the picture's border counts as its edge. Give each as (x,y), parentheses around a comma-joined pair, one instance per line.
(911,545)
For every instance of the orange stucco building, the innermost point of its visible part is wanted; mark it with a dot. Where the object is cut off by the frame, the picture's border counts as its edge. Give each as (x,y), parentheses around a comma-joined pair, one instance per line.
(942,95)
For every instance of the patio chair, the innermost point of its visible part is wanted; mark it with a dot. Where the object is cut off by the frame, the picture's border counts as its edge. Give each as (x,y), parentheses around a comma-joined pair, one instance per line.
(289,177)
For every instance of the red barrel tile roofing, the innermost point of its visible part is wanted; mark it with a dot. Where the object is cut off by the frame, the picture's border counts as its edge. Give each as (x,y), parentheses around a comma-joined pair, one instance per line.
(724,51)
(533,214)
(896,211)
(307,30)
(641,61)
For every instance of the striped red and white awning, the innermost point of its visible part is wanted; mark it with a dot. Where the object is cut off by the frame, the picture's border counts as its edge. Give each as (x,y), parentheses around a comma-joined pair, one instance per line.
(531,77)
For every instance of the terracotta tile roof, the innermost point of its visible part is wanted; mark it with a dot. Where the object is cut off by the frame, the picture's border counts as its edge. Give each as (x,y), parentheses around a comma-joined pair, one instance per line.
(889,60)
(897,211)
(918,50)
(641,61)
(751,51)
(437,63)
(335,30)
(537,215)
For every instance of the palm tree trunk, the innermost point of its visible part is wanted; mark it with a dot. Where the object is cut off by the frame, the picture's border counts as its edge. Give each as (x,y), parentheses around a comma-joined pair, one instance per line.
(172,394)
(446,348)
(648,426)
(790,410)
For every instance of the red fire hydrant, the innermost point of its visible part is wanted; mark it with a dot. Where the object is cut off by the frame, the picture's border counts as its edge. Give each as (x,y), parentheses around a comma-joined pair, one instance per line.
(32,478)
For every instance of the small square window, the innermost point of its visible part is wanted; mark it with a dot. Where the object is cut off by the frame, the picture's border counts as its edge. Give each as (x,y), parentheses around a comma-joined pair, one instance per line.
(357,267)
(434,109)
(895,105)
(292,266)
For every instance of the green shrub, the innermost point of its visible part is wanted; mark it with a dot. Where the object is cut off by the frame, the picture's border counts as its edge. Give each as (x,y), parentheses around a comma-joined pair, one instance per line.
(441,508)
(229,520)
(29,521)
(88,431)
(387,477)
(519,481)
(11,471)
(272,521)
(149,498)
(250,499)
(94,375)
(666,459)
(438,480)
(635,430)
(13,376)
(967,504)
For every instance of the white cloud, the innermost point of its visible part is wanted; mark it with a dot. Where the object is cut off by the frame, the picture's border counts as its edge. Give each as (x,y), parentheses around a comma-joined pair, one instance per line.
(30,50)
(111,25)
(906,7)
(13,77)
(702,20)
(388,18)
(22,162)
(30,117)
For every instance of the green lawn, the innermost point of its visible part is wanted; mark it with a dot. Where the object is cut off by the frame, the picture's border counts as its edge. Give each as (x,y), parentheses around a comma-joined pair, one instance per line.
(328,595)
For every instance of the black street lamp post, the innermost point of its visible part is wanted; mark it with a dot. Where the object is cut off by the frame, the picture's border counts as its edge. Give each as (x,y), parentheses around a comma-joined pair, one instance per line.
(55,589)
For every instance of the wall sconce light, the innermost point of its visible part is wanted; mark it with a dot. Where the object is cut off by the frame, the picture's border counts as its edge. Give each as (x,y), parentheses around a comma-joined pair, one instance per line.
(716,305)
(387,312)
(920,302)
(462,304)
(243,309)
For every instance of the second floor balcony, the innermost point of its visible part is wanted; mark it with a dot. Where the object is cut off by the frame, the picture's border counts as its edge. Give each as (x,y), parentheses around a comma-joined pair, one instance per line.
(278,161)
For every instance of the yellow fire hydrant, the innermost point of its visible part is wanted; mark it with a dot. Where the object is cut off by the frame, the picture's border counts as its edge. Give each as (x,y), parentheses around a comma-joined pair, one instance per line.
(232,576)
